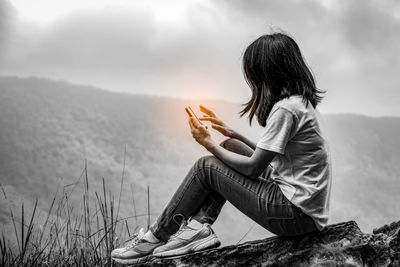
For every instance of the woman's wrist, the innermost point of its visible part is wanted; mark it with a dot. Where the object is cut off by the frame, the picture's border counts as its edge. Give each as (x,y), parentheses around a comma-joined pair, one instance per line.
(235,135)
(210,145)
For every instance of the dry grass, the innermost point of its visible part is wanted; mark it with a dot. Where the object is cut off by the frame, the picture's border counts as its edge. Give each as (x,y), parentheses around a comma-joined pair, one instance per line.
(67,236)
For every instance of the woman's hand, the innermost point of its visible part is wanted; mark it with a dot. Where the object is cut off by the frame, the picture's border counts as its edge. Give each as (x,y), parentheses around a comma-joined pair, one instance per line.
(216,123)
(201,134)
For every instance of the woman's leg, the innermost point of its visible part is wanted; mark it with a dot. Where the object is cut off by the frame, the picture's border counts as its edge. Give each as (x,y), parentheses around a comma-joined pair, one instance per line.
(260,199)
(214,202)
(207,210)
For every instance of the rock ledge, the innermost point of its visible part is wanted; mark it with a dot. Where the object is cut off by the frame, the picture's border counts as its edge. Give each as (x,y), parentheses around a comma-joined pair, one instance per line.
(341,244)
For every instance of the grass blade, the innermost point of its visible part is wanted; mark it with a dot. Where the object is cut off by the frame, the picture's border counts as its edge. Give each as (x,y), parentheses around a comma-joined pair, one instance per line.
(148,207)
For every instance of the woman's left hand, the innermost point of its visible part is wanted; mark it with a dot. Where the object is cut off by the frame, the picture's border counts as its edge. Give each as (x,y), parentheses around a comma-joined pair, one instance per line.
(200,133)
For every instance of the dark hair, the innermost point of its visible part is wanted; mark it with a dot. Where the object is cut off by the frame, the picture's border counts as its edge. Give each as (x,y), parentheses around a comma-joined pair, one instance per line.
(274,68)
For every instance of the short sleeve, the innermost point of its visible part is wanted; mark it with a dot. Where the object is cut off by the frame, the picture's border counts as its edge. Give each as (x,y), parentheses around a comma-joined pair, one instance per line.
(280,128)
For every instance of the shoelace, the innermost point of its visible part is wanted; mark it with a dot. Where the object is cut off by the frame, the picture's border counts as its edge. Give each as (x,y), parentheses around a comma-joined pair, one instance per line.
(135,239)
(182,228)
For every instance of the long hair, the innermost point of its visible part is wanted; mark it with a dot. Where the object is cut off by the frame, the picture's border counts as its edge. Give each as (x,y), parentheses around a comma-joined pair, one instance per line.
(274,68)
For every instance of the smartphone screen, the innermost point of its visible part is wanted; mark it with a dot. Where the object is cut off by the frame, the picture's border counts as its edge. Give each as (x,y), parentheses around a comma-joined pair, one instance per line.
(191,113)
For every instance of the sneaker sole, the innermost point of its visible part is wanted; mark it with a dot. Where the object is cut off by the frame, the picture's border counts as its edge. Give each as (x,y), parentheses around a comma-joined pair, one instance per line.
(199,245)
(132,261)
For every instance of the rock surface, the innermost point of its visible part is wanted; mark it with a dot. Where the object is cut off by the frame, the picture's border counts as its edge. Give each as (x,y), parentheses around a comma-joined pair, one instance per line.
(341,244)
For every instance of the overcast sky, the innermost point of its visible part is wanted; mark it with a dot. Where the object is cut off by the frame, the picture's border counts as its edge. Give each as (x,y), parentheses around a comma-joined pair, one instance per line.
(193,49)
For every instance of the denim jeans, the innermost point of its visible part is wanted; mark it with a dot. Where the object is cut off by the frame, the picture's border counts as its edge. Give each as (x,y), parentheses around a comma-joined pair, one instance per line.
(208,185)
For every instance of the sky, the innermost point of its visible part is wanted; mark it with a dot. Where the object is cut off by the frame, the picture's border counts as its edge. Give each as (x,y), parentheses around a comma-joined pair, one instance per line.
(193,48)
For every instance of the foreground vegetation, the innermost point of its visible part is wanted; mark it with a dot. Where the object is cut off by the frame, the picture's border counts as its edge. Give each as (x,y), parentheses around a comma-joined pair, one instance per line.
(68,235)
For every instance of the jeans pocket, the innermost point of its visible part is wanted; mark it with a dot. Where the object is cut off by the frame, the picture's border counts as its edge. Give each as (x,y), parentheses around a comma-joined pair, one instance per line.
(279,211)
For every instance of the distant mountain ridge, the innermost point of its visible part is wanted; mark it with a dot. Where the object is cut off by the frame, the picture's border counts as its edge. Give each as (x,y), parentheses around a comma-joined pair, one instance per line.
(48,129)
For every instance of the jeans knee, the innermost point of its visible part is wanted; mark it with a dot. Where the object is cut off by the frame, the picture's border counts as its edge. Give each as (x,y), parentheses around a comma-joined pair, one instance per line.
(228,143)
(237,146)
(203,162)
(203,169)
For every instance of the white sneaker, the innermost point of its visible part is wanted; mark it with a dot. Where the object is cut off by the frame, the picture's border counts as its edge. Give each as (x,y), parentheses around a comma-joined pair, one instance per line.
(188,240)
(136,250)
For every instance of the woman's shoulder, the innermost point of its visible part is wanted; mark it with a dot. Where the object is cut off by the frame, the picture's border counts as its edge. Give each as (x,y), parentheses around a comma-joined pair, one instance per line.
(295,104)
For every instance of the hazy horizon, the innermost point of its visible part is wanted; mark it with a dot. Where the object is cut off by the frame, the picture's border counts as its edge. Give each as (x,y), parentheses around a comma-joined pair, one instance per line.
(94,87)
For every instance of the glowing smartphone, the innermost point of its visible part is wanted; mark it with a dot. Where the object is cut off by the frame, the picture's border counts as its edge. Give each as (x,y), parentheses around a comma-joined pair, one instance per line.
(191,113)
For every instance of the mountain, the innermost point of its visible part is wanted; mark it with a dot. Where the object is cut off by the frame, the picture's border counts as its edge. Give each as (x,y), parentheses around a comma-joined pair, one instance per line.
(49,128)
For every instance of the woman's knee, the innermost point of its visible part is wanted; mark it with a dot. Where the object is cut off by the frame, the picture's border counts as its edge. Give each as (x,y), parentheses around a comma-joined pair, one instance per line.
(237,146)
(205,162)
(203,169)
(228,143)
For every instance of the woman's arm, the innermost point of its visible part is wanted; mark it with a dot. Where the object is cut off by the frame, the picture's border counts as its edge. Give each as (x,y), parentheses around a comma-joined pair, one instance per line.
(244,139)
(249,166)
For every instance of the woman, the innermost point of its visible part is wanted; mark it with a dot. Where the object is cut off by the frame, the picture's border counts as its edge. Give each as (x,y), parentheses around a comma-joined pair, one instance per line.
(282,182)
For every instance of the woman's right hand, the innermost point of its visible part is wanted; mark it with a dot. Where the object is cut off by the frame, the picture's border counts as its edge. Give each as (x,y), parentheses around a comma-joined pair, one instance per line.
(216,123)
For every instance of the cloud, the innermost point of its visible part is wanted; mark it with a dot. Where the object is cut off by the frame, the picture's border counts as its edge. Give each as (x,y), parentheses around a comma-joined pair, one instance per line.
(101,39)
(127,49)
(369,26)
(7,18)
(352,46)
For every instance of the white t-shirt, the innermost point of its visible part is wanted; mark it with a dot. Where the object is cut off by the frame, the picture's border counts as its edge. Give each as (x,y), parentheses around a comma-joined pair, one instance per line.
(302,165)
